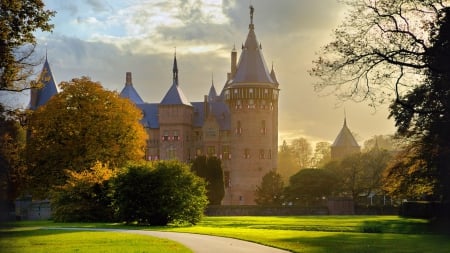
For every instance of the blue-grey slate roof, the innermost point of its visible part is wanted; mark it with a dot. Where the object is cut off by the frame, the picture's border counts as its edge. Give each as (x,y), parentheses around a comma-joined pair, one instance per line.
(220,111)
(130,92)
(175,96)
(48,88)
(150,115)
(345,138)
(251,67)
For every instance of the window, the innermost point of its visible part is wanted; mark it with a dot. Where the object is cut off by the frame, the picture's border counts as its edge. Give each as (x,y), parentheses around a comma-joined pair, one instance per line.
(269,154)
(165,136)
(261,154)
(251,104)
(227,179)
(175,136)
(171,153)
(247,153)
(263,127)
(211,151)
(238,127)
(226,152)
(238,104)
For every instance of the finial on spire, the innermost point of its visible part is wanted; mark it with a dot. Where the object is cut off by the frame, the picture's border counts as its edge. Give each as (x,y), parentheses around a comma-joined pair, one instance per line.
(345,117)
(252,10)
(175,68)
(212,78)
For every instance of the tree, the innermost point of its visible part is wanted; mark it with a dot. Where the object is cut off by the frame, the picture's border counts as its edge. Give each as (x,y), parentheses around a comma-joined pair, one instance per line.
(309,186)
(286,164)
(85,197)
(82,125)
(397,51)
(159,193)
(19,19)
(386,142)
(210,169)
(360,175)
(322,154)
(270,192)
(12,165)
(302,151)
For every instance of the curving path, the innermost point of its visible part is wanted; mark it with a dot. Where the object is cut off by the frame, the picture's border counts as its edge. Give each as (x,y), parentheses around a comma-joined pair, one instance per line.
(196,242)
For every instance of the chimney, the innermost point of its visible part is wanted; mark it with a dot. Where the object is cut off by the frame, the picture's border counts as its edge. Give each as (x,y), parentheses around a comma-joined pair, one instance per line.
(128,79)
(233,62)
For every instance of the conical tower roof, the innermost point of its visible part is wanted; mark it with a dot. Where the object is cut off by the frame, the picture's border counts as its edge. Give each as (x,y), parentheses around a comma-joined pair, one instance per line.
(175,95)
(129,92)
(252,67)
(345,138)
(47,87)
(212,95)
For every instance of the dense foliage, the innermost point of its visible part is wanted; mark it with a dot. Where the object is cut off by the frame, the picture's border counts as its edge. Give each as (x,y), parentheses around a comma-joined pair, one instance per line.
(82,125)
(159,193)
(210,169)
(19,19)
(12,166)
(309,186)
(85,196)
(271,190)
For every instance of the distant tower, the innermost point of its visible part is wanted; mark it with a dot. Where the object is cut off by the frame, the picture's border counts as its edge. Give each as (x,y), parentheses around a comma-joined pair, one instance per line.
(46,87)
(345,144)
(252,97)
(175,121)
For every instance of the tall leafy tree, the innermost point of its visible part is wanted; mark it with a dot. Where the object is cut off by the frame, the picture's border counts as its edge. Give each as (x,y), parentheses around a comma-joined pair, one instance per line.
(286,163)
(322,154)
(19,19)
(271,190)
(12,165)
(78,127)
(396,52)
(302,151)
(210,169)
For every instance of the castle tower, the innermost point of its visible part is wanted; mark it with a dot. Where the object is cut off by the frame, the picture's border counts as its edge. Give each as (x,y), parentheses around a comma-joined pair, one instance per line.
(46,87)
(175,122)
(252,97)
(345,144)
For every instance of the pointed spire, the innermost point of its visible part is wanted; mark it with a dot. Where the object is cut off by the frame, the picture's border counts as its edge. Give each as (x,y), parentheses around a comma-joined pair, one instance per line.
(175,68)
(128,80)
(212,95)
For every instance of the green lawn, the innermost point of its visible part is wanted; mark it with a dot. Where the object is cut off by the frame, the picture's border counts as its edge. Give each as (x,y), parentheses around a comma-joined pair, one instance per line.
(312,234)
(329,233)
(36,240)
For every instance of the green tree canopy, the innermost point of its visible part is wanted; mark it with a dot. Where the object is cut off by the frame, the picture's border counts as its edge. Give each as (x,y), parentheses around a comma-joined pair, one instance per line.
(82,125)
(19,19)
(309,186)
(271,190)
(210,169)
(159,193)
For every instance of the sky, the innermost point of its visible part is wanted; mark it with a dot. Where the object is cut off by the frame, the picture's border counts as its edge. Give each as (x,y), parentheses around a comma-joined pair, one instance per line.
(104,39)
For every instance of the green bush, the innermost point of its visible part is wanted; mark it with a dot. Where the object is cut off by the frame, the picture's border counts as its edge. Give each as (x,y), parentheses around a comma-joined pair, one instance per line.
(159,193)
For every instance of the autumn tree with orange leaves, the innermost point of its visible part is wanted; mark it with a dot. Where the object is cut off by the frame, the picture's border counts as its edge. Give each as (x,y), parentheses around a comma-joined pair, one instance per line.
(82,125)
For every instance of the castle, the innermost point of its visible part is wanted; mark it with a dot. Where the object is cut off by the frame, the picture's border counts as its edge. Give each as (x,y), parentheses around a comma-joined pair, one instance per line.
(239,125)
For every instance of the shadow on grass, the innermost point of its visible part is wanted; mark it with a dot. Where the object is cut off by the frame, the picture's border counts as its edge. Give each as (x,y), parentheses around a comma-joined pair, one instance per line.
(370,243)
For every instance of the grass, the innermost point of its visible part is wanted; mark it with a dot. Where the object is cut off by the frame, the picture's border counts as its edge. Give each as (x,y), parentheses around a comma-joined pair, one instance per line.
(35,240)
(316,234)
(313,234)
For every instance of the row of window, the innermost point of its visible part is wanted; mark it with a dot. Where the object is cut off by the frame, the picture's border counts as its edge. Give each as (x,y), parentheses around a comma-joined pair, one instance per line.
(259,93)
(211,151)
